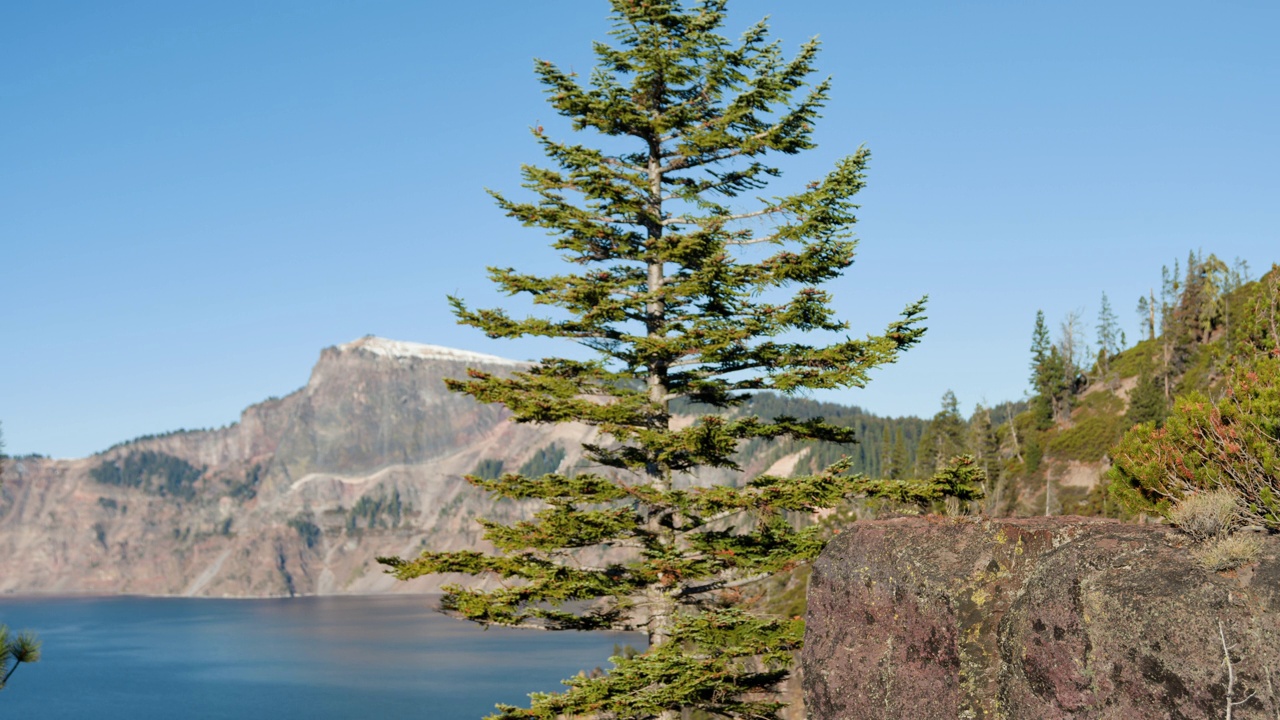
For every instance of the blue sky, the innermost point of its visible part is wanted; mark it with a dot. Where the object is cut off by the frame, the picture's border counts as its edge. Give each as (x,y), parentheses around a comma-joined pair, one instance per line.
(195,198)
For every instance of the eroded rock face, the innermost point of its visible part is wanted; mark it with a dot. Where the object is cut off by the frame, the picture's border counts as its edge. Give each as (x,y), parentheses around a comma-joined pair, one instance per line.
(298,497)
(1036,618)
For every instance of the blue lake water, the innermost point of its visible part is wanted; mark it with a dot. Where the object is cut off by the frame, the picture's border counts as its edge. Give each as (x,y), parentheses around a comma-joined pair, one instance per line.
(285,659)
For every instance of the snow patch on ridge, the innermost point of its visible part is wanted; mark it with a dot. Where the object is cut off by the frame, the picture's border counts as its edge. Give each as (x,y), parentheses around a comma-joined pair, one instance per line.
(400,349)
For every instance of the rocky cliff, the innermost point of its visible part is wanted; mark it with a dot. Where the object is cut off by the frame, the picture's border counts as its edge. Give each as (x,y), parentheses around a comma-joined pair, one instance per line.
(1037,618)
(298,497)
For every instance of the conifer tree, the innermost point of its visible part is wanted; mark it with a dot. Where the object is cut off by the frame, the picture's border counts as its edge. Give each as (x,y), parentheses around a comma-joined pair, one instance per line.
(685,290)
(1170,291)
(886,455)
(1048,373)
(984,442)
(943,438)
(1146,400)
(1108,335)
(1146,315)
(901,458)
(1040,345)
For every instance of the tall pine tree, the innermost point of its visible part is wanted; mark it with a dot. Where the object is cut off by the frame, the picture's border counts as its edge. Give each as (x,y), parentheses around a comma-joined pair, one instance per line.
(686,290)
(1047,374)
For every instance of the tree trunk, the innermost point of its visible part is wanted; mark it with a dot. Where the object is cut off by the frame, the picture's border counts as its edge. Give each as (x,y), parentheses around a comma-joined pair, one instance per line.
(661,601)
(1151,323)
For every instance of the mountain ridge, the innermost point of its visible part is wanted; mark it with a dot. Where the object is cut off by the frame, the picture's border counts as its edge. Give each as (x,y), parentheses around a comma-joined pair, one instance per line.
(301,493)
(296,497)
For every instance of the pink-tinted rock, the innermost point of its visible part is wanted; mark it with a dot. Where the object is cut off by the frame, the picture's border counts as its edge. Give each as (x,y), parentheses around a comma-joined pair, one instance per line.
(1035,619)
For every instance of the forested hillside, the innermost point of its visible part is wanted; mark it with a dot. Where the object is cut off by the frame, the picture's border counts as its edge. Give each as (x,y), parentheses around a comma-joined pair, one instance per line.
(1088,386)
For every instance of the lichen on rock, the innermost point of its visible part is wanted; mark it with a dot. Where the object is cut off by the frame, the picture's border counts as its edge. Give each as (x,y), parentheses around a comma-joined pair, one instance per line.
(1035,618)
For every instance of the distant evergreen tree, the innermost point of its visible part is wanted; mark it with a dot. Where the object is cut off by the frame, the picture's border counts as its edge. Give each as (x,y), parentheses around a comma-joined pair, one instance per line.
(1059,383)
(984,443)
(1041,344)
(1146,314)
(1191,307)
(1236,278)
(886,455)
(1199,306)
(1146,401)
(1170,341)
(1045,369)
(901,457)
(1108,330)
(943,439)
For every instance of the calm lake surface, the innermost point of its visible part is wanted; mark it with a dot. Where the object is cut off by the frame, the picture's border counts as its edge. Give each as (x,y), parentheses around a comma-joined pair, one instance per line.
(301,658)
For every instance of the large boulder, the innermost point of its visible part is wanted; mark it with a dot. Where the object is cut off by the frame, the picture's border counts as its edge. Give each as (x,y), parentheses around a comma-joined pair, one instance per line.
(1036,619)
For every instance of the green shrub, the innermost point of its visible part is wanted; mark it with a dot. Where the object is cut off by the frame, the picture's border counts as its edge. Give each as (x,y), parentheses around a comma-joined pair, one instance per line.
(1233,444)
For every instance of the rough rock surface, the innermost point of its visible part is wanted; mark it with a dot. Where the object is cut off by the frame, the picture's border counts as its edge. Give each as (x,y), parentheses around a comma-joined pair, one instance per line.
(1036,619)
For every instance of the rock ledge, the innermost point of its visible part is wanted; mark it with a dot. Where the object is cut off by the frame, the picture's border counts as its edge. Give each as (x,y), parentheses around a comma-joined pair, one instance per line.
(1035,618)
